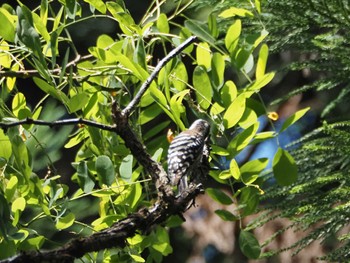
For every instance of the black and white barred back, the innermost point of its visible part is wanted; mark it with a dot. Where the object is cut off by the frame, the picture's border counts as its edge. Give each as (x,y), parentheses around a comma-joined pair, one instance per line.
(185,153)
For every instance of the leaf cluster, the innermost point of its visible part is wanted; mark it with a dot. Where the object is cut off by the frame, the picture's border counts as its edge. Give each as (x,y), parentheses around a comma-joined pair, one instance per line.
(116,74)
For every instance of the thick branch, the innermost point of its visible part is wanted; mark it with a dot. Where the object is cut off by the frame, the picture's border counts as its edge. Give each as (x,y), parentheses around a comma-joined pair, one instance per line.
(64,122)
(139,151)
(116,235)
(136,100)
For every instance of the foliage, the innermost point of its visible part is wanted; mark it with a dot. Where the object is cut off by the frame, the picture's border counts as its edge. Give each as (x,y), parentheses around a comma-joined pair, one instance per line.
(37,46)
(318,201)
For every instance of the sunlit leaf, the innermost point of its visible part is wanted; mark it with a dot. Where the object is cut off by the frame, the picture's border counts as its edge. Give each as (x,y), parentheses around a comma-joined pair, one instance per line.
(234,11)
(202,85)
(203,55)
(8,25)
(235,111)
(293,118)
(65,221)
(228,93)
(251,169)
(232,36)
(217,69)
(262,60)
(234,170)
(162,23)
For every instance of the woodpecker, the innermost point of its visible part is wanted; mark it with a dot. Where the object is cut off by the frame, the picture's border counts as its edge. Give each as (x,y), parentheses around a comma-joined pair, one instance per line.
(185,154)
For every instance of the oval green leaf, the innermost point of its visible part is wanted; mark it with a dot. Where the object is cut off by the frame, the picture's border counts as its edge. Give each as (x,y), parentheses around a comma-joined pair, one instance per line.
(202,86)
(234,112)
(219,196)
(226,215)
(249,245)
(284,168)
(293,118)
(105,170)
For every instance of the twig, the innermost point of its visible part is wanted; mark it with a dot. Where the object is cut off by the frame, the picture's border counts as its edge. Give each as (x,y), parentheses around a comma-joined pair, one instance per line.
(64,122)
(35,73)
(128,109)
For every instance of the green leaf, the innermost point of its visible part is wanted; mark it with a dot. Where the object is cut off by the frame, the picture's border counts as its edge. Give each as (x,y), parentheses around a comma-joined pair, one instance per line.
(284,168)
(18,103)
(149,113)
(241,57)
(243,139)
(203,55)
(47,88)
(65,221)
(261,82)
(71,8)
(249,118)
(114,8)
(293,118)
(200,31)
(228,93)
(125,169)
(41,27)
(262,60)
(32,243)
(105,170)
(26,32)
(18,204)
(21,155)
(98,4)
(5,149)
(218,69)
(217,150)
(84,179)
(251,170)
(262,136)
(11,188)
(162,24)
(234,112)
(212,24)
(232,36)
(226,215)
(77,102)
(234,170)
(234,11)
(249,199)
(249,245)
(140,54)
(137,258)
(177,107)
(5,58)
(202,86)
(179,76)
(7,28)
(219,196)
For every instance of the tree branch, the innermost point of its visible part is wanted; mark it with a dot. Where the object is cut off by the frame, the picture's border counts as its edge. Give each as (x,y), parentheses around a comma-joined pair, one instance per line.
(143,220)
(116,235)
(35,73)
(136,100)
(75,121)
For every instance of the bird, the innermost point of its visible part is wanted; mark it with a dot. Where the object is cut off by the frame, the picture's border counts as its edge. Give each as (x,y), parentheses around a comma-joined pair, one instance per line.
(185,154)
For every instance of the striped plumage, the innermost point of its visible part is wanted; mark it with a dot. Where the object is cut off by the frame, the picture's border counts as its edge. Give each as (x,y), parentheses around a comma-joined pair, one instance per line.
(185,153)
